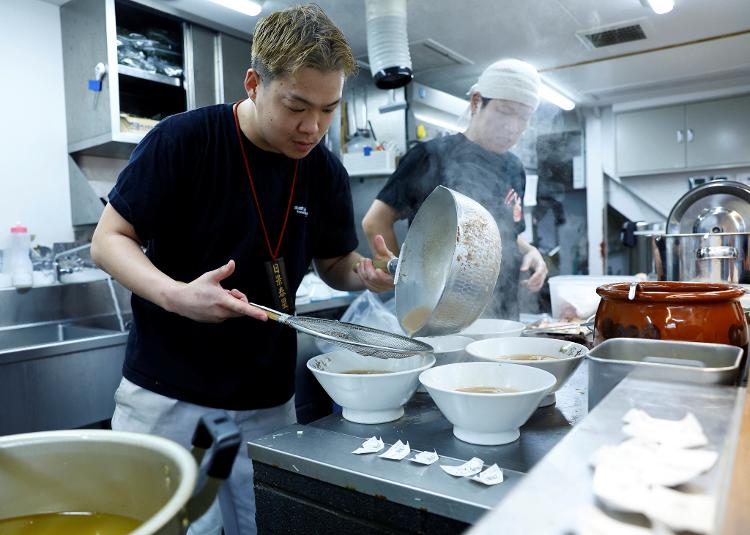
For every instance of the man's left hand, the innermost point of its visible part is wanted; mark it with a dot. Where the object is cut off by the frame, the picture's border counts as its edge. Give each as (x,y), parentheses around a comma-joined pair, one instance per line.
(375,279)
(533,260)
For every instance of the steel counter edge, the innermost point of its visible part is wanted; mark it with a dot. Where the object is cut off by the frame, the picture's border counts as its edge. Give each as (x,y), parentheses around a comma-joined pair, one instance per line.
(325,455)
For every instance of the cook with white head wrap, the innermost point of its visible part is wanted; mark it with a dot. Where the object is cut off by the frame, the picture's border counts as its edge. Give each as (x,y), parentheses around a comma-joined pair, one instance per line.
(509,79)
(477,163)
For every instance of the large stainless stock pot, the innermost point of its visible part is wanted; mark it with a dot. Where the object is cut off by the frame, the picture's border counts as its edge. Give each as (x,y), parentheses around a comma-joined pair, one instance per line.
(149,479)
(707,235)
(714,257)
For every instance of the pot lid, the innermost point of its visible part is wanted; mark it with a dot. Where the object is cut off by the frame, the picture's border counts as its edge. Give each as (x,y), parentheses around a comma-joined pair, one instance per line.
(718,206)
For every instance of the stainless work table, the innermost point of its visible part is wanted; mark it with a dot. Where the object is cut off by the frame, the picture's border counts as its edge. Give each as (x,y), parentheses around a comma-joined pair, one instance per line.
(553,496)
(322,451)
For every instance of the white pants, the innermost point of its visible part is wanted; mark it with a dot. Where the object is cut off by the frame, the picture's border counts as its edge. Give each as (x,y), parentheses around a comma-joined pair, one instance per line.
(143,411)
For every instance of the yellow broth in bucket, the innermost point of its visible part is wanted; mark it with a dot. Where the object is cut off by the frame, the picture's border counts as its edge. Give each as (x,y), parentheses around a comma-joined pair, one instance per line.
(69,523)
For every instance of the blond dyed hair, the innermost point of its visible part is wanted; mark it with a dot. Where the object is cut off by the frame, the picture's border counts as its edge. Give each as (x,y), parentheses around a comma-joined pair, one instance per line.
(298,37)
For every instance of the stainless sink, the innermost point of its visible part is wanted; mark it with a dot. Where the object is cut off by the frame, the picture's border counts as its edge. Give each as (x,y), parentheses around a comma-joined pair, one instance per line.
(13,338)
(40,340)
(58,375)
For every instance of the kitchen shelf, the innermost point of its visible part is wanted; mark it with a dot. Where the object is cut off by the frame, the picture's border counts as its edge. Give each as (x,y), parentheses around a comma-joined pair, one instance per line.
(151,76)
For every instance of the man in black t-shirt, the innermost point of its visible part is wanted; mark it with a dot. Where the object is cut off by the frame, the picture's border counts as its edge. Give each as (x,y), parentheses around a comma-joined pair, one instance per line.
(478,164)
(233,203)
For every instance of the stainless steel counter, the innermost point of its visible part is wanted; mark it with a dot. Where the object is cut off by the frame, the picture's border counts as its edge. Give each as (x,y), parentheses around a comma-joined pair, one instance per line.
(554,494)
(322,451)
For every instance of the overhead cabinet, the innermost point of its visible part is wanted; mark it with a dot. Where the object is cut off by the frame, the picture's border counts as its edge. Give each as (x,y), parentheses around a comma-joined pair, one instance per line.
(702,135)
(156,65)
(144,60)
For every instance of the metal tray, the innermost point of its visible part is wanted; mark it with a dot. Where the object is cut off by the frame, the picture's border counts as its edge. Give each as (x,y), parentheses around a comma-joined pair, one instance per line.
(691,362)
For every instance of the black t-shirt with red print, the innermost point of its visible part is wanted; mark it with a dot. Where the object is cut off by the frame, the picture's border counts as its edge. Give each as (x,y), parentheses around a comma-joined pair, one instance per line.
(496,181)
(187,194)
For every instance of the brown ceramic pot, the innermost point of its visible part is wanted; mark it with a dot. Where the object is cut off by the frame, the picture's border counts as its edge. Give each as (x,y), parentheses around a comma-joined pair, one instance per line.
(690,311)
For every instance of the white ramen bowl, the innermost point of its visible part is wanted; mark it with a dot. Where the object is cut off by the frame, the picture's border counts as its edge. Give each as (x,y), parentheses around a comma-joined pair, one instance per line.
(487,419)
(369,399)
(448,349)
(493,328)
(567,356)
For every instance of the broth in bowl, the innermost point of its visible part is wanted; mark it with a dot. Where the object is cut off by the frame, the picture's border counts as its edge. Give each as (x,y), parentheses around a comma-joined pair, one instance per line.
(487,390)
(369,390)
(559,357)
(525,357)
(487,402)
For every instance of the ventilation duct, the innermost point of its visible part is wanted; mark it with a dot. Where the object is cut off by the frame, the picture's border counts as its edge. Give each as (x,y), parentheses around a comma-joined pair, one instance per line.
(387,43)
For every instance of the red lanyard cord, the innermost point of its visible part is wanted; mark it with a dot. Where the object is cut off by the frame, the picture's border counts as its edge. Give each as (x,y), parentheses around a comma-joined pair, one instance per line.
(273,252)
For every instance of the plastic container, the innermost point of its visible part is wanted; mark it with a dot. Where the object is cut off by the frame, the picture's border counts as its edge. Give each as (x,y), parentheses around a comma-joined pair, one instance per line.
(17,259)
(574,296)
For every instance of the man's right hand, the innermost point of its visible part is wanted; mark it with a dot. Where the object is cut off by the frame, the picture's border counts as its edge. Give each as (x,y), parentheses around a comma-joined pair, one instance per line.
(204,299)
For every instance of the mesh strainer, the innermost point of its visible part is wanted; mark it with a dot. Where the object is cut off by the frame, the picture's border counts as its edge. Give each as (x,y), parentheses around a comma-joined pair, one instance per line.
(357,338)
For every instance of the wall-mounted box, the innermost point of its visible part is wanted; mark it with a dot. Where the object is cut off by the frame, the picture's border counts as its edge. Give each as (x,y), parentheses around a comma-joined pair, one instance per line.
(377,163)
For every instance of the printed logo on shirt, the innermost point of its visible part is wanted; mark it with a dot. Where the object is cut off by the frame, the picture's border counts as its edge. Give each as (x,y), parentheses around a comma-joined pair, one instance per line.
(301,210)
(513,200)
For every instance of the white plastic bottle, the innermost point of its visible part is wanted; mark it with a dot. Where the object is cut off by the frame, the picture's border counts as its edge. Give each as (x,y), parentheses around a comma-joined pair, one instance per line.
(18,262)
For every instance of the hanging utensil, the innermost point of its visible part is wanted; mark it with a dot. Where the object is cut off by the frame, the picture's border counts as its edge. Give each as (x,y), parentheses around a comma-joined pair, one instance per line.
(363,340)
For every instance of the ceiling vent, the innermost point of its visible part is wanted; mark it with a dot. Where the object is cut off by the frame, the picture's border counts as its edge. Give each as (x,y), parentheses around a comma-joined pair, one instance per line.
(612,35)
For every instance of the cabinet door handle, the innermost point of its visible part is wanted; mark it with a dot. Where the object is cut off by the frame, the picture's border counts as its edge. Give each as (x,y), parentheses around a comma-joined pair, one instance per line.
(690,135)
(680,137)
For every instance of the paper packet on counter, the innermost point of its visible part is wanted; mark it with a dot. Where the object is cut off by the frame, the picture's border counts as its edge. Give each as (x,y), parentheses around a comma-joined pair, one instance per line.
(471,467)
(397,452)
(492,476)
(685,433)
(425,457)
(621,490)
(655,464)
(371,445)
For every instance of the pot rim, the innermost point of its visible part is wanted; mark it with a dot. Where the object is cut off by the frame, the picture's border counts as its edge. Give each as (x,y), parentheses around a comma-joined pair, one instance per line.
(693,234)
(673,292)
(100,438)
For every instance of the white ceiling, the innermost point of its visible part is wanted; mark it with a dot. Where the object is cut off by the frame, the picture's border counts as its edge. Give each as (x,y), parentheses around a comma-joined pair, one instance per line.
(543,32)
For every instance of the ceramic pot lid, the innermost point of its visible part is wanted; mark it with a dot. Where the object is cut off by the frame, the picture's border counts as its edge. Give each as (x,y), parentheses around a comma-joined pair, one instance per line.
(719,206)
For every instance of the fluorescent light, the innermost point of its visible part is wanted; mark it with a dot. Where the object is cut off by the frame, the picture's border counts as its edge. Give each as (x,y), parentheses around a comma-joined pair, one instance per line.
(246,7)
(661,6)
(559,100)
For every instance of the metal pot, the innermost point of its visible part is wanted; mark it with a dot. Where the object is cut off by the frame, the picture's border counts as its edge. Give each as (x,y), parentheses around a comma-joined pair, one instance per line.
(709,257)
(448,267)
(143,477)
